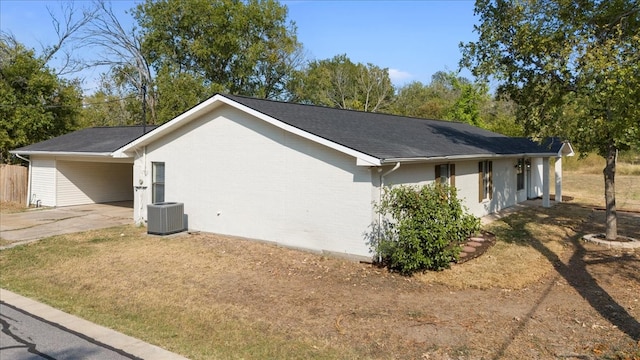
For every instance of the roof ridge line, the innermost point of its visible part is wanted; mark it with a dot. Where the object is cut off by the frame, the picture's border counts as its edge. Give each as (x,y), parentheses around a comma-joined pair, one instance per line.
(230,96)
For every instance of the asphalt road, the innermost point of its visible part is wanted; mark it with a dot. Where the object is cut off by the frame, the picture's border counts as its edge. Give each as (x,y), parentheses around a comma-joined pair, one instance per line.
(25,336)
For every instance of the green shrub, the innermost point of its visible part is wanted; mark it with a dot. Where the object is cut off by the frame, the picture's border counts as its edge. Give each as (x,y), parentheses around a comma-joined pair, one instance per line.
(421,228)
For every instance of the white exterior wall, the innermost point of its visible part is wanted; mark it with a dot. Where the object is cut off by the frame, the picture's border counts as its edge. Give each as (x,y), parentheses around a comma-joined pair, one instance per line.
(241,176)
(81,182)
(535,178)
(504,183)
(468,189)
(43,181)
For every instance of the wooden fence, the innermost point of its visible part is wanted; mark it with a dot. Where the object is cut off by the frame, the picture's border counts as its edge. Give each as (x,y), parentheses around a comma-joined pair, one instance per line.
(14,181)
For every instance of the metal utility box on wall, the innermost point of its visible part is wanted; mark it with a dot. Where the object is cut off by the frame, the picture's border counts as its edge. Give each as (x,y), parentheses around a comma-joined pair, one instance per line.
(165,218)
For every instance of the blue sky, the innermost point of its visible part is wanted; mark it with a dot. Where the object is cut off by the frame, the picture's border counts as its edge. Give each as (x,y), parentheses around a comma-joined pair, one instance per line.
(413,39)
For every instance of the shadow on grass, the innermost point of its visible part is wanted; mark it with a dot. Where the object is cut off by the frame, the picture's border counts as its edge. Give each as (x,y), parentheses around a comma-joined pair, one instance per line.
(574,270)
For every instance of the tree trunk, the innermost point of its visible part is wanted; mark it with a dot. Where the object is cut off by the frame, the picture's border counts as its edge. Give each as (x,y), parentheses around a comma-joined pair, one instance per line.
(611,231)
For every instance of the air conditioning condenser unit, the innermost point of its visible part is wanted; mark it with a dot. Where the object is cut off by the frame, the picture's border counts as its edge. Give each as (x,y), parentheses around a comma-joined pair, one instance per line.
(165,218)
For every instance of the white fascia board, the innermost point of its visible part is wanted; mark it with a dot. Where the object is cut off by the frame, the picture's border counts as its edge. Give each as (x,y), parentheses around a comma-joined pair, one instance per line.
(439,158)
(566,150)
(364,162)
(543,155)
(462,158)
(63,153)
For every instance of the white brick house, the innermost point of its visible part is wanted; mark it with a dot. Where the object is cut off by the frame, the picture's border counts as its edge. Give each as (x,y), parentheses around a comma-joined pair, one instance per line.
(308,176)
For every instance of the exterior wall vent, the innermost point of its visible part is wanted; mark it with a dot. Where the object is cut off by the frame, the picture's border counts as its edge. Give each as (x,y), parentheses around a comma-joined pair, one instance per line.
(165,218)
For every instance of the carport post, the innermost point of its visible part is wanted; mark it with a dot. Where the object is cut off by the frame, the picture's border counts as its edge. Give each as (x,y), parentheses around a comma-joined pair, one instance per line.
(28,179)
(545,182)
(558,176)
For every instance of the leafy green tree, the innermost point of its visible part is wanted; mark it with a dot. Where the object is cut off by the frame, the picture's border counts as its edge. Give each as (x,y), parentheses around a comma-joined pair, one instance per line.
(447,97)
(340,83)
(111,105)
(431,101)
(499,115)
(178,92)
(242,47)
(573,69)
(35,104)
(469,100)
(410,101)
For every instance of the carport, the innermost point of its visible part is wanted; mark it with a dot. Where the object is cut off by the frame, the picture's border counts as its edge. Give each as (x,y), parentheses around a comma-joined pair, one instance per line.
(80,167)
(66,181)
(83,182)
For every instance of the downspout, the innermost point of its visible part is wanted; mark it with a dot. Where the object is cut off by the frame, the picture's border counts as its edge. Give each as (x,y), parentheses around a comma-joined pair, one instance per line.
(28,181)
(382,176)
(144,174)
(387,173)
(142,184)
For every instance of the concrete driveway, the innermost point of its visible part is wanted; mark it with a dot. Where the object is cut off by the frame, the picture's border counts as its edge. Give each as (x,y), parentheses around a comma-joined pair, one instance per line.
(39,223)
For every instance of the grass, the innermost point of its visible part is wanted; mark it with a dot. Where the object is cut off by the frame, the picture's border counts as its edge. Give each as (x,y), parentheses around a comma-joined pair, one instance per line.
(512,263)
(588,189)
(594,164)
(149,287)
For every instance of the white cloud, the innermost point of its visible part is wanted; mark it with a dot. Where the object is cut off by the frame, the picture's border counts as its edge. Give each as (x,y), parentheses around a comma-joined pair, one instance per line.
(398,77)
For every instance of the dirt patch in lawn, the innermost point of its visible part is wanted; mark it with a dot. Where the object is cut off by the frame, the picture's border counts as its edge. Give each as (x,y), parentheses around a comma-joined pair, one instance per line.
(539,292)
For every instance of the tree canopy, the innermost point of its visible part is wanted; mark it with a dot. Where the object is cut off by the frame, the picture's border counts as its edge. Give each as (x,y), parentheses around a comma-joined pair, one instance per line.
(340,83)
(572,67)
(35,104)
(241,47)
(450,96)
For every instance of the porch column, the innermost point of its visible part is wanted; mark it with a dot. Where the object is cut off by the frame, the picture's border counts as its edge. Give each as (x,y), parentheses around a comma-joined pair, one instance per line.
(558,173)
(545,182)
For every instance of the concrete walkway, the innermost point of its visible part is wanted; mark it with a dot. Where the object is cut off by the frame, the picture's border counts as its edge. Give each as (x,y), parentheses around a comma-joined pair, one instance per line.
(98,333)
(487,219)
(35,224)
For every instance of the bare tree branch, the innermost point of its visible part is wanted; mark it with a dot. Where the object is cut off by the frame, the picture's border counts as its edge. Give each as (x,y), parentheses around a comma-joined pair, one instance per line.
(66,29)
(121,51)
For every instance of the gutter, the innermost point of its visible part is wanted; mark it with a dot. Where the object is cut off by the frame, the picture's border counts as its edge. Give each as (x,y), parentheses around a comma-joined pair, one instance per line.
(64,153)
(462,157)
(28,180)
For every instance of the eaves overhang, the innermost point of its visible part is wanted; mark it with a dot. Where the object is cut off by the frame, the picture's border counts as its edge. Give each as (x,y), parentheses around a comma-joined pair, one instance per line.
(64,153)
(451,158)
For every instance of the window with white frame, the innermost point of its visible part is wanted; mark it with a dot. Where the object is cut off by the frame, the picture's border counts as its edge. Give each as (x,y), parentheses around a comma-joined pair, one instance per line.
(157,185)
(485,180)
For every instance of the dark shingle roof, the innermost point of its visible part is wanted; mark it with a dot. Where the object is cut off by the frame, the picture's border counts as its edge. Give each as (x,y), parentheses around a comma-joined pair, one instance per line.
(89,140)
(391,137)
(381,136)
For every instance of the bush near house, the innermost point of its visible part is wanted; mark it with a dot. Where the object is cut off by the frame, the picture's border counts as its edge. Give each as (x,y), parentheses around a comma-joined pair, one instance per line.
(422,227)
